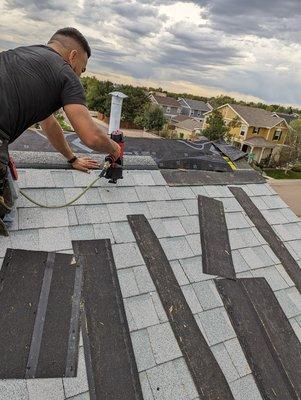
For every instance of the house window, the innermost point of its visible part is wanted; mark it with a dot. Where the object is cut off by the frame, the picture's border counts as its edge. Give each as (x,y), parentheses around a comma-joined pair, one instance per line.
(242,132)
(277,134)
(168,110)
(256,130)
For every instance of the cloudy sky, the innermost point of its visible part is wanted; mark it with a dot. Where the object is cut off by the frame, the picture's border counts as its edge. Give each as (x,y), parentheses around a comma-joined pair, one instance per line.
(247,48)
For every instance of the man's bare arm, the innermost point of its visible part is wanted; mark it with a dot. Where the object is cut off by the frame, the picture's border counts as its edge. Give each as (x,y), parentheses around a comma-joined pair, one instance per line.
(56,136)
(88,131)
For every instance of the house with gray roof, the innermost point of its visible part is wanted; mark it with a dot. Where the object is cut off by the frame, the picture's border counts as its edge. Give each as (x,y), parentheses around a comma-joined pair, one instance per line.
(194,108)
(178,338)
(170,106)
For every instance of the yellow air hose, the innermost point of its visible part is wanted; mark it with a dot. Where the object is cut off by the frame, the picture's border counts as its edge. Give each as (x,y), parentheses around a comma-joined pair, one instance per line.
(106,166)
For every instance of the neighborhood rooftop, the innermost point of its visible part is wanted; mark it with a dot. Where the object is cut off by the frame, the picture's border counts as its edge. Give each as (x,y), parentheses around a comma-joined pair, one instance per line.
(173,215)
(257,117)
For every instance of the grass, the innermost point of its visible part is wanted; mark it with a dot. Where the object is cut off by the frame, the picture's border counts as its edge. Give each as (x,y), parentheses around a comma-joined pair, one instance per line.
(280,174)
(63,124)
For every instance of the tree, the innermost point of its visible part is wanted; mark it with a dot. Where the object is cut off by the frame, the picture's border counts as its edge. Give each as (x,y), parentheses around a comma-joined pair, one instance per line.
(134,104)
(291,151)
(216,128)
(152,118)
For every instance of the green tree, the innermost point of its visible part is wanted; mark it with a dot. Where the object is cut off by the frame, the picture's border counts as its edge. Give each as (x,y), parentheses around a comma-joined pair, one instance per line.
(216,128)
(152,118)
(134,104)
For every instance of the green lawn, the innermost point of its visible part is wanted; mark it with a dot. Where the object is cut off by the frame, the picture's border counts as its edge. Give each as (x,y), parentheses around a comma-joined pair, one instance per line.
(280,174)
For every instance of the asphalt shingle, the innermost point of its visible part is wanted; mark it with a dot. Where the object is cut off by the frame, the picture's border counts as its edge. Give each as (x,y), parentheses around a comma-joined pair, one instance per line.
(179,273)
(167,227)
(207,294)
(225,362)
(161,209)
(194,270)
(143,279)
(152,193)
(191,298)
(176,248)
(127,282)
(142,310)
(78,385)
(45,389)
(180,193)
(245,388)
(127,255)
(190,223)
(163,343)
(143,350)
(237,356)
(13,390)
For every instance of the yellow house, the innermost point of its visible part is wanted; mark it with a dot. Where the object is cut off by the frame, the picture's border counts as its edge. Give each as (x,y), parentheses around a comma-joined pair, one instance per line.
(256,131)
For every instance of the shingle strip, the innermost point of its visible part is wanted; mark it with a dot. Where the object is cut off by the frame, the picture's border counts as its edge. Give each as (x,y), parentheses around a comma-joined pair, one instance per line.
(216,250)
(106,332)
(35,294)
(269,342)
(287,260)
(206,373)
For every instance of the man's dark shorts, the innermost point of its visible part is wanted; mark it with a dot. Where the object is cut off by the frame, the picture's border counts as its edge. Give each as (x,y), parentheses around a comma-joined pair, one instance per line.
(3,159)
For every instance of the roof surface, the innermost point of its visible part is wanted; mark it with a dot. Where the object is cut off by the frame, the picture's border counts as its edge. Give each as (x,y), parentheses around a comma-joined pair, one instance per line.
(197,105)
(288,117)
(191,124)
(179,118)
(257,116)
(167,101)
(173,215)
(260,142)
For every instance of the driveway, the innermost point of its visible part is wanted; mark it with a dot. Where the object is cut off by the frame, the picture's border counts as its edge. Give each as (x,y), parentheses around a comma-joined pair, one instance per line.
(290,191)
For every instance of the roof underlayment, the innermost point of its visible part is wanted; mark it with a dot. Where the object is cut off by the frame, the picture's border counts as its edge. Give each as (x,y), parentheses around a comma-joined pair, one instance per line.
(173,215)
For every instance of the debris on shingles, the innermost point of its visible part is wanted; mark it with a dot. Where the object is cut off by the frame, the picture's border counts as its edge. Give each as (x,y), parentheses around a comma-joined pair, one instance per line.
(173,214)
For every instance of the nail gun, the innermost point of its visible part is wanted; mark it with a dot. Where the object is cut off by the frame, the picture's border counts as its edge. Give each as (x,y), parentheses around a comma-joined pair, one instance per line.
(113,168)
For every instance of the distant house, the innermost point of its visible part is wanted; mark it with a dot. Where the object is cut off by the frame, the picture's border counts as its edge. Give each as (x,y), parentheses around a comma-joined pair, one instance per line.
(194,108)
(170,106)
(256,130)
(288,117)
(188,128)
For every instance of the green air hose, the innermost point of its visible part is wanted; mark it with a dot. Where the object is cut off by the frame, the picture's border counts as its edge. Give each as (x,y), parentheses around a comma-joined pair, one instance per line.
(106,166)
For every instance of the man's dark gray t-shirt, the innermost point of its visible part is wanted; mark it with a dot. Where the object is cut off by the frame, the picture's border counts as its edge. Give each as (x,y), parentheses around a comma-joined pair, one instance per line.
(35,81)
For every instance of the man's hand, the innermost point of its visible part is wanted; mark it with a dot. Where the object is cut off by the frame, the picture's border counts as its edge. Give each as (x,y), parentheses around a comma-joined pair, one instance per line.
(85,164)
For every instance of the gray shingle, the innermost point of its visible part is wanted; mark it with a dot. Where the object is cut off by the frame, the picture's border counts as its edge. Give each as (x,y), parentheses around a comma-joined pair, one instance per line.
(140,208)
(274,278)
(75,386)
(290,301)
(127,179)
(92,196)
(122,232)
(239,262)
(191,298)
(30,218)
(166,227)
(117,194)
(72,216)
(194,242)
(259,203)
(256,257)
(245,274)
(180,193)
(288,232)
(191,206)
(207,294)
(152,193)
(161,209)
(274,217)
(274,202)
(92,214)
(237,356)
(199,190)
(245,388)
(158,307)
(119,212)
(54,196)
(179,273)
(190,223)
(218,191)
(13,390)
(241,238)
(82,396)
(237,221)
(216,325)
(128,283)
(163,343)
(103,231)
(143,178)
(145,386)
(39,179)
(176,248)
(194,270)
(158,178)
(259,189)
(142,310)
(127,255)
(81,179)
(143,279)
(55,217)
(182,370)
(5,242)
(130,319)
(294,247)
(296,327)
(166,383)
(71,193)
(54,239)
(82,232)
(63,179)
(143,350)
(27,240)
(222,357)
(285,275)
(45,389)
(289,215)
(230,204)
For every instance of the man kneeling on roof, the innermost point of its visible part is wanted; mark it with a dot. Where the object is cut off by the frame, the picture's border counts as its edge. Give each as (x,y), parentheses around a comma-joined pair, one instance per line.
(36,81)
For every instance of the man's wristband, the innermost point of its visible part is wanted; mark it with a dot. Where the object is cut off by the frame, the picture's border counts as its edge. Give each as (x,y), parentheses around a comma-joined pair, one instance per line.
(71,161)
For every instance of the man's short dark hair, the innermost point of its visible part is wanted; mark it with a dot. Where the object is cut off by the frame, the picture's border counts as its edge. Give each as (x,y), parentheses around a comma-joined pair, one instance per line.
(75,35)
